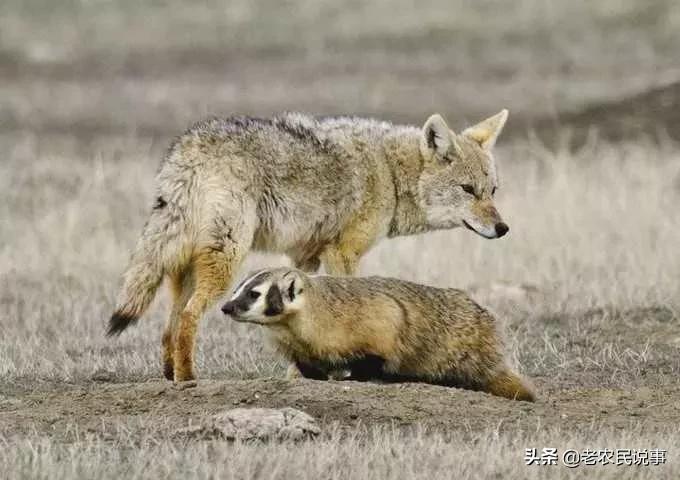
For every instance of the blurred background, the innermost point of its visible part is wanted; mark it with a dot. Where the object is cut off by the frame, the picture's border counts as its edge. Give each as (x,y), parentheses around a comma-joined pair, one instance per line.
(98,67)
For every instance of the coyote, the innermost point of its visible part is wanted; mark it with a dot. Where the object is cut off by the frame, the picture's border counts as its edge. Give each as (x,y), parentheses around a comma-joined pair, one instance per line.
(378,328)
(321,190)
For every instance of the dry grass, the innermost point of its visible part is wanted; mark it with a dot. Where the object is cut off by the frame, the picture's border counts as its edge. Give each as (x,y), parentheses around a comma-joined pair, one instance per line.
(385,453)
(129,66)
(91,92)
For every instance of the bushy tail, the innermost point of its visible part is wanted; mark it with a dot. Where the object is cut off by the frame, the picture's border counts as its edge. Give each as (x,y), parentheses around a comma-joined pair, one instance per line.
(510,385)
(141,279)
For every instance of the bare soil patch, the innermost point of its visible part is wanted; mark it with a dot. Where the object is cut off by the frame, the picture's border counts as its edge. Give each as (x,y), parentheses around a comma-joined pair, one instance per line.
(160,407)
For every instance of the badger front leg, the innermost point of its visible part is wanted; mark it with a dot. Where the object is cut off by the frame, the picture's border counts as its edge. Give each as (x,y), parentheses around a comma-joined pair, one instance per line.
(293,372)
(308,370)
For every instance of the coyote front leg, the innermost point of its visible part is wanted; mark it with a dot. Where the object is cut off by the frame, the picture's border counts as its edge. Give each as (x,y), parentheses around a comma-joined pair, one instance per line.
(342,257)
(340,260)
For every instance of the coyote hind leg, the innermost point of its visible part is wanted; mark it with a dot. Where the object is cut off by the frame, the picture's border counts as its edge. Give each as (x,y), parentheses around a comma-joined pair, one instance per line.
(214,264)
(213,271)
(182,288)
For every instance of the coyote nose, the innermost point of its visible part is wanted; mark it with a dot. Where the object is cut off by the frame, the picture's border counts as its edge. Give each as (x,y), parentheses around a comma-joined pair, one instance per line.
(501,229)
(228,308)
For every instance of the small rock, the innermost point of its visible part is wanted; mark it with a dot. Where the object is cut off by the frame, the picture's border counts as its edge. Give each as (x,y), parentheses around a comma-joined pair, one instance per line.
(260,424)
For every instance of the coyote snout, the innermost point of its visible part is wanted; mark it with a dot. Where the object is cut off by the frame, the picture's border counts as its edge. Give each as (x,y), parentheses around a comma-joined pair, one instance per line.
(485,220)
(498,230)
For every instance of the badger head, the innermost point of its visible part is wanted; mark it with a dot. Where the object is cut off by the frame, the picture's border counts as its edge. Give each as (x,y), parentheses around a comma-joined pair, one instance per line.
(267,296)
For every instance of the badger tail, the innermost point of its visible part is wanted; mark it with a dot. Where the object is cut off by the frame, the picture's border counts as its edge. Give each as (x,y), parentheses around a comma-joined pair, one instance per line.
(141,279)
(510,385)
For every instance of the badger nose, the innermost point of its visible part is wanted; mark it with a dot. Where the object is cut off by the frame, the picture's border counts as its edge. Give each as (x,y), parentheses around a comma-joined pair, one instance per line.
(501,229)
(228,308)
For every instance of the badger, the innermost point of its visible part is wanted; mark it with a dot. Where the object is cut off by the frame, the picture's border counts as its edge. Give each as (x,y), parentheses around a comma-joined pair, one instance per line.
(378,329)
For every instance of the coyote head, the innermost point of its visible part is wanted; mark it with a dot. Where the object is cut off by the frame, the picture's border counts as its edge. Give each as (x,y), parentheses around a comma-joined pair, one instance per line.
(458,181)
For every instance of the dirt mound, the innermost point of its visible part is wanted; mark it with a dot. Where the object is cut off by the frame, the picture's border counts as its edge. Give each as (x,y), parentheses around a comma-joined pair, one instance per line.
(159,407)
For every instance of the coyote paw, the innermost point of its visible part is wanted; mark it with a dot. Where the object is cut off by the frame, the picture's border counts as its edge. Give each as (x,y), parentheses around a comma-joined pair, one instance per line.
(184,378)
(183,385)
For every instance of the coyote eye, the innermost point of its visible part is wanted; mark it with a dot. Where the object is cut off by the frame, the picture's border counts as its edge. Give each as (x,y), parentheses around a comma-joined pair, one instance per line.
(493,192)
(253,294)
(468,189)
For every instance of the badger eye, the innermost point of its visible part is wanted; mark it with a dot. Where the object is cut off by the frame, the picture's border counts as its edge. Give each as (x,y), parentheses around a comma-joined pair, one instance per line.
(467,188)
(253,294)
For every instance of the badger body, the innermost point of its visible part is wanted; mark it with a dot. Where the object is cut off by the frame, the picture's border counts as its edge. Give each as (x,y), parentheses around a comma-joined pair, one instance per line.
(379,329)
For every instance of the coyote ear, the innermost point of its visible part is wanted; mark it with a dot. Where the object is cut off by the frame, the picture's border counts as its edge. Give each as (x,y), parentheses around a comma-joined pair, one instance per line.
(437,138)
(486,132)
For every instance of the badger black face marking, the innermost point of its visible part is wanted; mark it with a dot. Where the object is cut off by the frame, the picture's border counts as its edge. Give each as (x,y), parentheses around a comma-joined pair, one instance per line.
(274,302)
(253,294)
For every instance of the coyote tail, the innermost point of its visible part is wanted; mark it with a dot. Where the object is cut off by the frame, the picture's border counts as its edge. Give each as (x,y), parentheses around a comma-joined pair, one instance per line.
(142,277)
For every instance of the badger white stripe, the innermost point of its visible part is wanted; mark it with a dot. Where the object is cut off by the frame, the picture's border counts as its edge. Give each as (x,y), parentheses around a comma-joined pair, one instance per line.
(245,283)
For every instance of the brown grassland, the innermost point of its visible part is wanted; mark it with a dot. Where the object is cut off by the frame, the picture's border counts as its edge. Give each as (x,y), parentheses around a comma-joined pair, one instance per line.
(586,286)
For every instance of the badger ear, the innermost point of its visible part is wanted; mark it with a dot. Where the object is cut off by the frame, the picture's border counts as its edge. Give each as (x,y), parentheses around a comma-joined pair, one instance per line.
(486,132)
(292,284)
(437,137)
